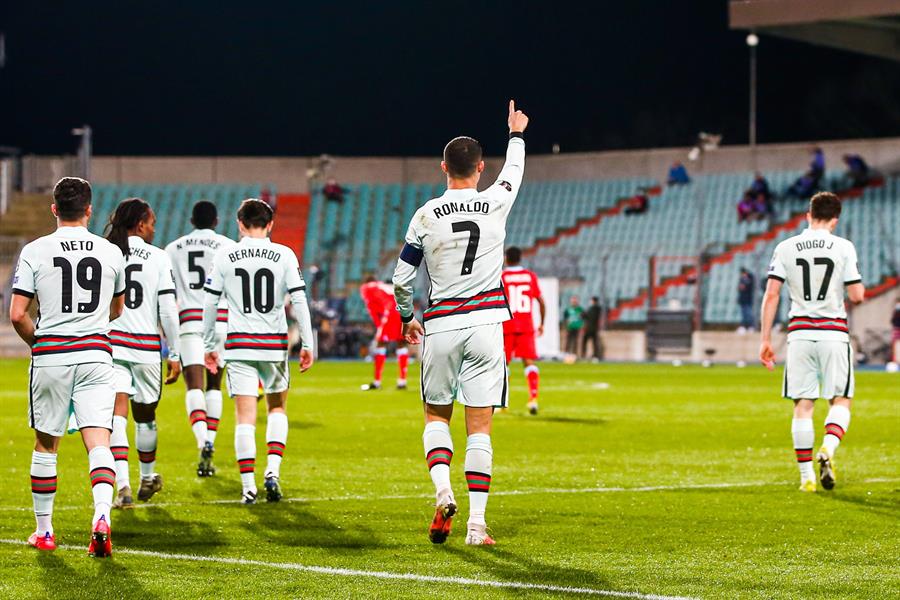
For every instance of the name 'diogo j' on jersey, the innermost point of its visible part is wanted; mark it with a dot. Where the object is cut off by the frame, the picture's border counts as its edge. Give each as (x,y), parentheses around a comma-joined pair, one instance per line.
(192,258)
(460,236)
(254,276)
(73,274)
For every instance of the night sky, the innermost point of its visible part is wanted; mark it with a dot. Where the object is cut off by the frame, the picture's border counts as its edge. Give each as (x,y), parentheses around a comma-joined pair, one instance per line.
(400,78)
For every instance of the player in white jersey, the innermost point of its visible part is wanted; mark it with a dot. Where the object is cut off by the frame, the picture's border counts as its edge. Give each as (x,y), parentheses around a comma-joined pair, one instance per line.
(254,276)
(149,304)
(191,257)
(78,280)
(817,267)
(460,235)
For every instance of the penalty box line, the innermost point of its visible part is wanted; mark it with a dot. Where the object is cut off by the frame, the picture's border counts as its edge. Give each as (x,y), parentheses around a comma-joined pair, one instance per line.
(344,572)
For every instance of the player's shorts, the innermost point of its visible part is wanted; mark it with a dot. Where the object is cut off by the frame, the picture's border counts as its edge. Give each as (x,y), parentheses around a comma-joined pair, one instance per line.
(822,369)
(193,350)
(519,345)
(87,389)
(392,330)
(142,382)
(466,365)
(243,377)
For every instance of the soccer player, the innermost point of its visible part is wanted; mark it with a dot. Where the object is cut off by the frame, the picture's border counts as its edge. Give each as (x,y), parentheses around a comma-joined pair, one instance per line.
(460,236)
(79,280)
(191,257)
(379,299)
(817,267)
(254,276)
(522,290)
(149,304)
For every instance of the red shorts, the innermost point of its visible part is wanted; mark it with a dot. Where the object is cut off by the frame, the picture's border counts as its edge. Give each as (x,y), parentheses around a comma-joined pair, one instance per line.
(519,345)
(392,330)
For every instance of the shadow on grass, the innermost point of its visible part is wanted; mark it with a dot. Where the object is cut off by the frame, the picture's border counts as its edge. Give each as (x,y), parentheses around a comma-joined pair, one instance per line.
(559,419)
(294,524)
(154,528)
(59,580)
(880,504)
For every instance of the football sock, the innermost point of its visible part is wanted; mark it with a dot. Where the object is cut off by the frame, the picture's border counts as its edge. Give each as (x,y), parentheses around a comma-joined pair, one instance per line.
(196,409)
(836,424)
(438,454)
(213,413)
(43,489)
(276,438)
(380,357)
(145,440)
(479,464)
(402,364)
(245,450)
(532,374)
(804,437)
(103,477)
(118,445)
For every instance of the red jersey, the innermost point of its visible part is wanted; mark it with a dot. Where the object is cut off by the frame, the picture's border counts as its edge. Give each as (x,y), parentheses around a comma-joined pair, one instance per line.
(522,290)
(379,300)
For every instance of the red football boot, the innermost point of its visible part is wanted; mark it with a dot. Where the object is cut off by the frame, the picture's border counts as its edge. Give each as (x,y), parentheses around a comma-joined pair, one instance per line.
(440,525)
(42,542)
(101,540)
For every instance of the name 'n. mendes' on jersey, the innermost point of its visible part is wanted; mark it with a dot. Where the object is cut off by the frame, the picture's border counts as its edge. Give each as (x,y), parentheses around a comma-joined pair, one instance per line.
(149,303)
(192,256)
(816,266)
(254,276)
(74,275)
(460,235)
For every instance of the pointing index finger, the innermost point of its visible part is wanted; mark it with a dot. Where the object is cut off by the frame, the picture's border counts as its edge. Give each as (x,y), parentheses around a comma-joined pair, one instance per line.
(512,106)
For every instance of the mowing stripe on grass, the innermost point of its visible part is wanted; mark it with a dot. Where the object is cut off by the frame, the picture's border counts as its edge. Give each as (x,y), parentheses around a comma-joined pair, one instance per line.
(342,572)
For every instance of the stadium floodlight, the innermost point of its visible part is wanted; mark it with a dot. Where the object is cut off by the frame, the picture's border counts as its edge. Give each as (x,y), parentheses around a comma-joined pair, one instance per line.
(752,40)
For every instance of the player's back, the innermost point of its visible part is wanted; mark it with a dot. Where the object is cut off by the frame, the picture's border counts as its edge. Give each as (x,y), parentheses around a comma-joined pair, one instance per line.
(521,286)
(816,266)
(378,298)
(74,275)
(191,256)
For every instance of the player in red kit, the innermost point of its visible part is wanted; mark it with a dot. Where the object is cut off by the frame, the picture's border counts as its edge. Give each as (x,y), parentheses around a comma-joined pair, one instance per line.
(522,290)
(379,299)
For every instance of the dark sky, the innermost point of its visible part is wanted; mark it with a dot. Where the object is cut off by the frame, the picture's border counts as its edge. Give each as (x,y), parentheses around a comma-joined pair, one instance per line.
(400,78)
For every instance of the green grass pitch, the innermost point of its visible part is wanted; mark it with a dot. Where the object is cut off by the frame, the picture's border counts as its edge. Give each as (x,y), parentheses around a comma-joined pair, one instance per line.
(634,478)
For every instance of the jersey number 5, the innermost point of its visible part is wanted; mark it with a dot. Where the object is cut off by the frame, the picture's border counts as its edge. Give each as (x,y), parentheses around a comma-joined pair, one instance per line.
(87,274)
(474,237)
(826,281)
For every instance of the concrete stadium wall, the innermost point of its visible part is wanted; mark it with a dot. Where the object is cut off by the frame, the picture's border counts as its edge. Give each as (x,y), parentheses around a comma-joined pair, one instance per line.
(288,174)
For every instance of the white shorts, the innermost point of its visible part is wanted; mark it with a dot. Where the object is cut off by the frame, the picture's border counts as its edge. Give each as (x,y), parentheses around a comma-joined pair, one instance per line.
(192,349)
(468,365)
(85,389)
(243,377)
(142,382)
(822,369)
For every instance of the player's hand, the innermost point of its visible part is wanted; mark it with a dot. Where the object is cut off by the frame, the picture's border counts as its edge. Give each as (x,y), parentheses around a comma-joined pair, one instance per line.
(413,332)
(211,361)
(767,355)
(173,371)
(306,360)
(517,120)
(540,331)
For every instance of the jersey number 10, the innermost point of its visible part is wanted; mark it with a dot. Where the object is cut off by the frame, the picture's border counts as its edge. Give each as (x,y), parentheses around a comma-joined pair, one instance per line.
(263,296)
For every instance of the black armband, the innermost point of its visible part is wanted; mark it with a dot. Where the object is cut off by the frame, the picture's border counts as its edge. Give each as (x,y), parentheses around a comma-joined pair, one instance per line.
(407,319)
(517,134)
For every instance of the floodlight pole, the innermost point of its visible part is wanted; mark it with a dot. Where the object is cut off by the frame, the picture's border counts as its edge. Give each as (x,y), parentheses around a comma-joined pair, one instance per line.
(752,43)
(84,150)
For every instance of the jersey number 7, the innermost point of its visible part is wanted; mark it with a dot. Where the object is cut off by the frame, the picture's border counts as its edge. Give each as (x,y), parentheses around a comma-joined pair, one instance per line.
(474,237)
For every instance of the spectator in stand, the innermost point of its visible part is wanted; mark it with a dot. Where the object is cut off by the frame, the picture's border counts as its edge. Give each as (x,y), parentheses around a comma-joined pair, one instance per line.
(810,181)
(746,282)
(573,317)
(857,170)
(333,192)
(745,207)
(817,166)
(760,185)
(895,338)
(592,331)
(638,204)
(678,174)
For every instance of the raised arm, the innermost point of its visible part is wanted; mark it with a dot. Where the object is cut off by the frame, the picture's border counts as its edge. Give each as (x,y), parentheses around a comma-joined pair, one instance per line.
(510,178)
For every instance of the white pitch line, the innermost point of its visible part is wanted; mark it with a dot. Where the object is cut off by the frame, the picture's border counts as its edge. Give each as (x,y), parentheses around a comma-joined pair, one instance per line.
(525,492)
(342,572)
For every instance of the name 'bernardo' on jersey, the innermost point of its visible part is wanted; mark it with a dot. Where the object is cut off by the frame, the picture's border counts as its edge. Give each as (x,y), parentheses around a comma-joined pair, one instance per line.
(461,207)
(254,253)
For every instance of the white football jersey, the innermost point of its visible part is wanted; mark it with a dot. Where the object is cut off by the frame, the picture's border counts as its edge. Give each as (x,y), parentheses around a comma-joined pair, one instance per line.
(149,301)
(192,257)
(74,275)
(254,276)
(816,266)
(461,235)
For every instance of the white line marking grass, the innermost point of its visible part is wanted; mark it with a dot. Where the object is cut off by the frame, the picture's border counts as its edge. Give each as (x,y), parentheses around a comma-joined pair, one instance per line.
(341,572)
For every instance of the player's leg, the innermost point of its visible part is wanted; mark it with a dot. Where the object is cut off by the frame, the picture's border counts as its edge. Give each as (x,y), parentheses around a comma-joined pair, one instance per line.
(402,364)
(192,354)
(148,385)
(379,357)
(441,357)
(276,382)
(118,439)
(801,384)
(213,404)
(837,377)
(527,351)
(242,379)
(43,489)
(804,437)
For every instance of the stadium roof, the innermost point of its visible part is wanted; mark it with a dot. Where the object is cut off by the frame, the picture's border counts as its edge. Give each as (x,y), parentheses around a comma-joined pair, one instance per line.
(869,27)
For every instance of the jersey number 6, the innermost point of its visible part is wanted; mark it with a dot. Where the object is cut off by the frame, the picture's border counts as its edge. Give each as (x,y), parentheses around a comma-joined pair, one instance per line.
(474,237)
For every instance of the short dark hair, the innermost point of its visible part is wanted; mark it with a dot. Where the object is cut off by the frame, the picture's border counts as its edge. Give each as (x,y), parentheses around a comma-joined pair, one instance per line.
(204,215)
(72,196)
(825,206)
(254,213)
(462,155)
(513,255)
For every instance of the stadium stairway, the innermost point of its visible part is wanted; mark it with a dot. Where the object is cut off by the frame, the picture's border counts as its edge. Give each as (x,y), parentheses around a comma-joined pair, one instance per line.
(291,222)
